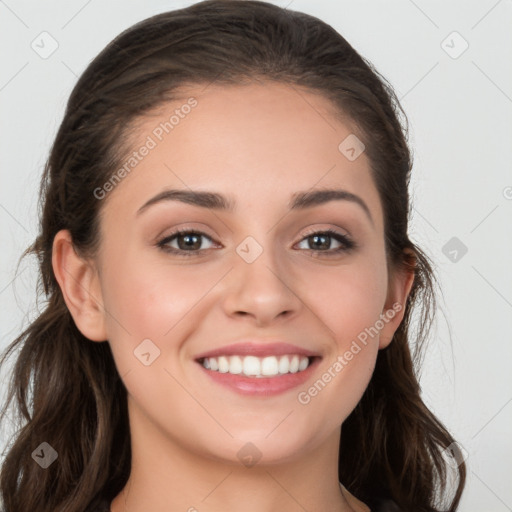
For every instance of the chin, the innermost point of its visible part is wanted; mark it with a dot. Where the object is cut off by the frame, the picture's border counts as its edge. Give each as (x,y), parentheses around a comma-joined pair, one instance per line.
(262,448)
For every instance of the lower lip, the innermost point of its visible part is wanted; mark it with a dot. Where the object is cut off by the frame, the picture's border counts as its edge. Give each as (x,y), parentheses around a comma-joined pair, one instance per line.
(262,386)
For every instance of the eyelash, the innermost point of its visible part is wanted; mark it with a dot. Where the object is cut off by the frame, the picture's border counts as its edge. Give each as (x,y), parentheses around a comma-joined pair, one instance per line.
(347,243)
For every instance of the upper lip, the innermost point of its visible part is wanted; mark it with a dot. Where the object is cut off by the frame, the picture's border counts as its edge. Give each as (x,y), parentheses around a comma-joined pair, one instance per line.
(258,349)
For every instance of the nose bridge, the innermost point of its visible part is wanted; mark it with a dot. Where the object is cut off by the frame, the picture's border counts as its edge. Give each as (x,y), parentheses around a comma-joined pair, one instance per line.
(258,262)
(259,283)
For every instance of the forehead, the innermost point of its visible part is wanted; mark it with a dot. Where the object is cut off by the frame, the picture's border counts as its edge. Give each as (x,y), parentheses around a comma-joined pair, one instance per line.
(257,142)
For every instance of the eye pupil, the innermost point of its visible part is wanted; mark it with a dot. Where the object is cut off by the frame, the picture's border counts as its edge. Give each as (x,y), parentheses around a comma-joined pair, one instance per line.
(317,238)
(192,241)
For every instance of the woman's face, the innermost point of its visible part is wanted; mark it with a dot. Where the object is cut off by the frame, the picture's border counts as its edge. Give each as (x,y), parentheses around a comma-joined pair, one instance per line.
(250,273)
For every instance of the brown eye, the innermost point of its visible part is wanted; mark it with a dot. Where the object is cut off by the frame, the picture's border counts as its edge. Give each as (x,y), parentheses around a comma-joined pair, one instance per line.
(184,242)
(322,241)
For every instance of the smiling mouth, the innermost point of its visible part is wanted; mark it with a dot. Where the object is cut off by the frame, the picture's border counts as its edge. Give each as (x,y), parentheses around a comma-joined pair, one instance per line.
(257,367)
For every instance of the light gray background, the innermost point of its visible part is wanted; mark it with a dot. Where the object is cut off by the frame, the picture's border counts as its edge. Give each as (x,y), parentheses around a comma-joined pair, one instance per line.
(460,110)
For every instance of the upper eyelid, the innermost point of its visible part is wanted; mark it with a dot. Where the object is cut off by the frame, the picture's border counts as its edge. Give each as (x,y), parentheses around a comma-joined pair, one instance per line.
(337,230)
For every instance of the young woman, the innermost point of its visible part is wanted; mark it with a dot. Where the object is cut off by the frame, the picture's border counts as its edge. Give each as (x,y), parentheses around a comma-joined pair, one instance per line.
(230,283)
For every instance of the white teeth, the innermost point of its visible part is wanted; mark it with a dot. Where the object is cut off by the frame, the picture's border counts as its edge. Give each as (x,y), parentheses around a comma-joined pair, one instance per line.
(303,364)
(294,364)
(269,366)
(235,365)
(284,364)
(252,366)
(223,364)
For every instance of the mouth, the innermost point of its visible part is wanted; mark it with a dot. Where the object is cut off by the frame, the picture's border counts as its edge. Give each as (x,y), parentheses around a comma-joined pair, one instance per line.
(259,370)
(257,367)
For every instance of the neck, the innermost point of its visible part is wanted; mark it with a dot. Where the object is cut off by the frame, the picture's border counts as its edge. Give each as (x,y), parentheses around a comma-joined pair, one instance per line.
(167,476)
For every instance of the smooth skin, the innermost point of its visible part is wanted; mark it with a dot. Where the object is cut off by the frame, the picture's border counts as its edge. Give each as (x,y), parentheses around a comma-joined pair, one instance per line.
(257,145)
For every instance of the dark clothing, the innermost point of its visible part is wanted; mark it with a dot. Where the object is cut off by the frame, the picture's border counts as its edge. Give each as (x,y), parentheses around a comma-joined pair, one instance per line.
(379,505)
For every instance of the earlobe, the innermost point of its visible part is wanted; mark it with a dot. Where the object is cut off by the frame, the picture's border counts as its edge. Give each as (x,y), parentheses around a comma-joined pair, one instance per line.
(79,283)
(399,288)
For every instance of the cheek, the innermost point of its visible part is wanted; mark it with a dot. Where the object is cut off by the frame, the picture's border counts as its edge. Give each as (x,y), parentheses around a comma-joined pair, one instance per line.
(349,299)
(349,302)
(337,390)
(350,306)
(151,302)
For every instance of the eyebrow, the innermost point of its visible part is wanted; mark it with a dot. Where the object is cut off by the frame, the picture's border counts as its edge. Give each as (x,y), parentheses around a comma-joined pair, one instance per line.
(216,201)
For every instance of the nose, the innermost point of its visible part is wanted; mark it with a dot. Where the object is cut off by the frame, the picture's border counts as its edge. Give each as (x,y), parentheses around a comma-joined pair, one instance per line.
(260,290)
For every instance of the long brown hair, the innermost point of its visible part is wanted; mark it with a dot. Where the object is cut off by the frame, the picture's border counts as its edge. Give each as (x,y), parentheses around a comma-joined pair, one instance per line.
(66,389)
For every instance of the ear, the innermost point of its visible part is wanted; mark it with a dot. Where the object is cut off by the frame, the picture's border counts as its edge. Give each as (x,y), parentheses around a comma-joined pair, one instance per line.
(80,286)
(399,287)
